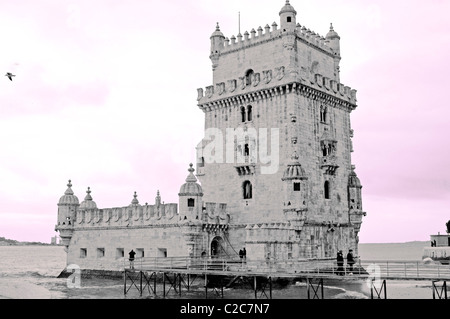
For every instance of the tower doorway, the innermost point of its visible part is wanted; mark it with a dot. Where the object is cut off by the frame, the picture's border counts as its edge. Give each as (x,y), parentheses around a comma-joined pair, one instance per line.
(217,250)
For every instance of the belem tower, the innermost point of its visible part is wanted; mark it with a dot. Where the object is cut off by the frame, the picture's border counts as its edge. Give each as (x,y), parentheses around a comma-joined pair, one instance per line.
(273,172)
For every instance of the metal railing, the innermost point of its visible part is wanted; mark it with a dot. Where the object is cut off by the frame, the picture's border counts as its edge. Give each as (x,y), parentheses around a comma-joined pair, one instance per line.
(407,269)
(324,267)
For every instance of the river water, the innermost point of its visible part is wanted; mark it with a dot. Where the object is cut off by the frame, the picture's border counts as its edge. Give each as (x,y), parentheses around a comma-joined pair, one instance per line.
(30,272)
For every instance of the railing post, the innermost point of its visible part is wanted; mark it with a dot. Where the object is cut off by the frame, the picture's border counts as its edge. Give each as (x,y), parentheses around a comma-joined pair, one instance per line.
(164,284)
(140,282)
(417,269)
(124,281)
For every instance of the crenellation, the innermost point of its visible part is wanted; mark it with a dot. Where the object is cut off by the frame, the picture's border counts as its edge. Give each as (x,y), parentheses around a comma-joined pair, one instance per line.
(318,82)
(118,216)
(274,26)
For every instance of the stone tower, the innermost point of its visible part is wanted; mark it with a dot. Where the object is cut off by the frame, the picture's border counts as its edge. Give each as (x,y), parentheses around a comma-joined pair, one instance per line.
(277,146)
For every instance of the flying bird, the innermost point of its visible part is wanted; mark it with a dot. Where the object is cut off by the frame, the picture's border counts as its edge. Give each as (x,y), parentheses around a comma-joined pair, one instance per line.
(9,75)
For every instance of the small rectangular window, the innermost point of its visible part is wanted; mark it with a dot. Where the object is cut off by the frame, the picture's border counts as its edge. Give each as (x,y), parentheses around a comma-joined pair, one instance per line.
(120,253)
(191,202)
(140,252)
(296,187)
(83,252)
(162,252)
(288,19)
(100,252)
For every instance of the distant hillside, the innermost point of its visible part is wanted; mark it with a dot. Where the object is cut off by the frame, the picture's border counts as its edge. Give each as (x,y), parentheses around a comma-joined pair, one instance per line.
(11,242)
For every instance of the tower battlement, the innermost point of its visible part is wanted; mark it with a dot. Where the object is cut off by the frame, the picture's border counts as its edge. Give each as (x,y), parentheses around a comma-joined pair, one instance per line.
(261,36)
(269,81)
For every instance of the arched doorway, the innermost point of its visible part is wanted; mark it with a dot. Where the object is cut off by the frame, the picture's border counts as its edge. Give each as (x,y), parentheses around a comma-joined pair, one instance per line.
(217,250)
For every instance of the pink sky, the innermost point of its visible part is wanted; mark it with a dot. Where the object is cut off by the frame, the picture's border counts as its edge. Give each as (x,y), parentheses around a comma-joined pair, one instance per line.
(105,95)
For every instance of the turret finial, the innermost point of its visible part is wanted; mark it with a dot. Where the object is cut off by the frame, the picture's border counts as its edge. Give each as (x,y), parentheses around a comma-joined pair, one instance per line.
(134,201)
(88,194)
(69,190)
(191,177)
(217,27)
(331,27)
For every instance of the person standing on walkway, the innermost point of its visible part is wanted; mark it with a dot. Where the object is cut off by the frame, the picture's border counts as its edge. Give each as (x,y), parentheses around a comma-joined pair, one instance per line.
(131,259)
(350,261)
(340,263)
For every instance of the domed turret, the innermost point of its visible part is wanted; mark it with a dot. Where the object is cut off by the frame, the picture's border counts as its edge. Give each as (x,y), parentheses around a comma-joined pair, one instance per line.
(295,192)
(353,180)
(334,41)
(217,32)
(67,206)
(332,34)
(190,197)
(287,17)
(217,44)
(191,187)
(88,203)
(68,198)
(134,201)
(294,169)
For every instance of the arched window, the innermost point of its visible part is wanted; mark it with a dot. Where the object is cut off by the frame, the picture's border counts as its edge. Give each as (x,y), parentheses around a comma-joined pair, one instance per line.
(243,114)
(246,150)
(249,77)
(323,114)
(249,113)
(191,202)
(327,190)
(247,190)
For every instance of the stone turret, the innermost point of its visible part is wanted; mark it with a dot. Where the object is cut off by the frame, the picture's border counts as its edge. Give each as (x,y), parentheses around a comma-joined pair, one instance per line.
(134,201)
(190,198)
(288,17)
(333,40)
(217,44)
(67,206)
(295,193)
(88,203)
(356,212)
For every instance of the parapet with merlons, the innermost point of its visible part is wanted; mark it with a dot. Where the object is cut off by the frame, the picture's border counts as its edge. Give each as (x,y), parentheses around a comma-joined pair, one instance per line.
(269,83)
(259,36)
(133,215)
